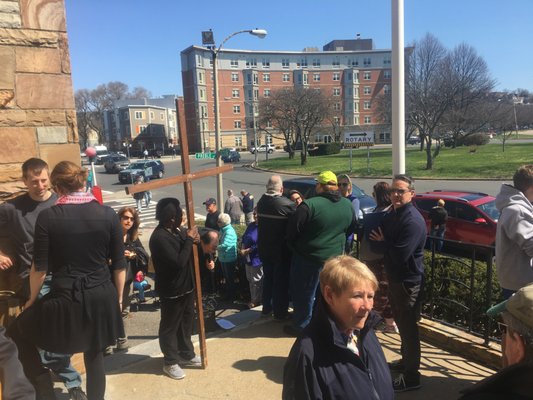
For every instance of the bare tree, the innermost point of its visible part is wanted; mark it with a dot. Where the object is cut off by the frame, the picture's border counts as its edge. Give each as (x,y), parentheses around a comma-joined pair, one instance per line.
(140,93)
(294,113)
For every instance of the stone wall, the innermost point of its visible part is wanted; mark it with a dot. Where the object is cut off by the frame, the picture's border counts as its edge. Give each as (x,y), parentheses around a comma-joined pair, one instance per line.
(37,112)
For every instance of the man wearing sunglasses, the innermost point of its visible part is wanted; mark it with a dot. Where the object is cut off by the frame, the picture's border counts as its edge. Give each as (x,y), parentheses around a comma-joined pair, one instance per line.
(514,380)
(403,236)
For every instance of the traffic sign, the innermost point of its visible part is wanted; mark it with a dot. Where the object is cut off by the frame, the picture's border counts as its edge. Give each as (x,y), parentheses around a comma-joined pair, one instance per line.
(205,155)
(358,138)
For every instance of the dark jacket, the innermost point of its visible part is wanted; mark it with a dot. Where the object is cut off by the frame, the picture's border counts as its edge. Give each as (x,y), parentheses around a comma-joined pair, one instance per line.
(511,383)
(247,203)
(405,237)
(273,214)
(438,216)
(320,366)
(172,258)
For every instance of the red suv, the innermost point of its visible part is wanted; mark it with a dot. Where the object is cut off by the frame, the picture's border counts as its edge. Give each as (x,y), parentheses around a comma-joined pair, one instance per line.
(472,216)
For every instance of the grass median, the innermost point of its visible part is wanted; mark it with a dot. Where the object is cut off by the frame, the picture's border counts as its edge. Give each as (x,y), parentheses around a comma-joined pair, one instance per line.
(486,162)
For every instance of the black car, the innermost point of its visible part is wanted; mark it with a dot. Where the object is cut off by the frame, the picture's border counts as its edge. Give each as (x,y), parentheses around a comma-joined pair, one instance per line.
(306,186)
(146,168)
(231,156)
(116,163)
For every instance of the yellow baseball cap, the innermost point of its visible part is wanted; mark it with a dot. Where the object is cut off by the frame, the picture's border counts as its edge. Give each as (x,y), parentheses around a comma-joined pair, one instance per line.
(327,177)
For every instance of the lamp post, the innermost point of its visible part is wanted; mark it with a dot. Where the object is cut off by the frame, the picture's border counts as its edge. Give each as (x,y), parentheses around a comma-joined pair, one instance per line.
(208,39)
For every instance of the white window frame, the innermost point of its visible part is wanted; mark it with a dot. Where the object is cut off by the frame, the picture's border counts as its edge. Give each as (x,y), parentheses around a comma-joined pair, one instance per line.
(285,63)
(367,75)
(367,105)
(368,119)
(139,115)
(387,74)
(266,63)
(266,76)
(266,93)
(236,109)
(336,91)
(234,63)
(316,77)
(316,62)
(238,140)
(367,90)
(237,124)
(235,93)
(286,77)
(235,77)
(336,76)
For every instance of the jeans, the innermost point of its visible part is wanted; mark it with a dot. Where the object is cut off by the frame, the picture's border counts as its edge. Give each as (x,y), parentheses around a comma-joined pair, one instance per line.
(59,363)
(276,276)
(405,303)
(304,287)
(438,232)
(228,269)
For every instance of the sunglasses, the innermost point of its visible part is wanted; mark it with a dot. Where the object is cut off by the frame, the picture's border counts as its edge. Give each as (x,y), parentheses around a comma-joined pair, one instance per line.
(502,328)
(126,218)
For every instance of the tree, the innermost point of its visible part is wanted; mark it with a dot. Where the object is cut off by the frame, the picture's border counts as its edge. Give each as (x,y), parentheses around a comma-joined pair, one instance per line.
(293,114)
(91,105)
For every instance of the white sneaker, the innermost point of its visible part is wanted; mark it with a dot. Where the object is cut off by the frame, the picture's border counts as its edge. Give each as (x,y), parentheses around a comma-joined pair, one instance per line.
(196,361)
(174,371)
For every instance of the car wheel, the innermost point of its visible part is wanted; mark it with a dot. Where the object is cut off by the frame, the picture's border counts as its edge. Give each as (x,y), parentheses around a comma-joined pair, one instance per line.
(270,152)
(160,174)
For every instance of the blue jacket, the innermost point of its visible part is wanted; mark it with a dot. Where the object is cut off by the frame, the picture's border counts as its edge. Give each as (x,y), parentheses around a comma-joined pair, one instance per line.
(249,241)
(321,367)
(227,248)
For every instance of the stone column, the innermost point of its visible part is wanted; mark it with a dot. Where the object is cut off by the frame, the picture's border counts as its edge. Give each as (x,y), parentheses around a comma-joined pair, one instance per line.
(37,112)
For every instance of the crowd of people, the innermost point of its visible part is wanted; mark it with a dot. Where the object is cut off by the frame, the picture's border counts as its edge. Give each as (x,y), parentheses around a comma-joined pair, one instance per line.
(75,261)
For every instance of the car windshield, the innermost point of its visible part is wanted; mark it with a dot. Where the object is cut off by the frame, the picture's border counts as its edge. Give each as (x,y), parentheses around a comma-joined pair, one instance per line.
(137,166)
(490,209)
(357,192)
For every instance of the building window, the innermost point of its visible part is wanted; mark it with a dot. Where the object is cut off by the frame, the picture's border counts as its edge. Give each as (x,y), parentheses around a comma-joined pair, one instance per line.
(236,109)
(256,79)
(337,106)
(356,76)
(336,63)
(366,105)
(356,106)
(386,60)
(316,62)
(336,91)
(353,63)
(211,63)
(161,116)
(305,79)
(286,78)
(368,120)
(268,139)
(202,94)
(302,63)
(266,77)
(251,63)
(317,89)
(235,93)
(238,138)
(367,61)
(387,74)
(139,115)
(234,63)
(367,90)
(234,77)
(152,115)
(200,77)
(386,89)
(266,93)
(285,63)
(336,76)
(316,77)
(356,91)
(237,125)
(337,120)
(256,94)
(367,75)
(269,124)
(203,111)
(266,63)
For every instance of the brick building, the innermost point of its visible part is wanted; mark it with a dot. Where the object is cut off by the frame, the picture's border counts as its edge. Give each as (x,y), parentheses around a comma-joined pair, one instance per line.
(351,71)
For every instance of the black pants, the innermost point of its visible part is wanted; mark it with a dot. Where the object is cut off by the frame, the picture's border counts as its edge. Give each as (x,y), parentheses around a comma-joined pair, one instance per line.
(175,328)
(405,304)
(31,362)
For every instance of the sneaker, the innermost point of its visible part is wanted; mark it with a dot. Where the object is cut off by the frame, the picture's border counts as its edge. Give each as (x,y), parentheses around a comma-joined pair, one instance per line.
(108,351)
(77,394)
(196,361)
(400,384)
(396,366)
(174,371)
(122,344)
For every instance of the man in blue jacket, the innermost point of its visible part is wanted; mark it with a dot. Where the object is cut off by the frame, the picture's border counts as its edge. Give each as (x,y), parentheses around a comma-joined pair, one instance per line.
(403,235)
(338,355)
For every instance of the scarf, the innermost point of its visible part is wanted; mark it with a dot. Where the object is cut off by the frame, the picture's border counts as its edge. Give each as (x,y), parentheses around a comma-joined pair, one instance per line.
(76,198)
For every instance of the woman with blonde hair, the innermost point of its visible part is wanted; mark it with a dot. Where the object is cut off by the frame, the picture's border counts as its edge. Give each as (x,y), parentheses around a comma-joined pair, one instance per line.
(74,241)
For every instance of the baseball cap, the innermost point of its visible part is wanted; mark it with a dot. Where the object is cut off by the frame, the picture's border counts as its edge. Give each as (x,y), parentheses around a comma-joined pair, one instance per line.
(210,201)
(327,177)
(519,305)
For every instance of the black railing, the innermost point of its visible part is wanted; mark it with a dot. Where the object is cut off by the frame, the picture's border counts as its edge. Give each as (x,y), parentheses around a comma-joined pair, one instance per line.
(460,286)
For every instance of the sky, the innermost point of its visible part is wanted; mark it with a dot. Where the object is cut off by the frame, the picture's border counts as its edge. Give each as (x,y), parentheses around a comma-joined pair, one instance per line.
(139,42)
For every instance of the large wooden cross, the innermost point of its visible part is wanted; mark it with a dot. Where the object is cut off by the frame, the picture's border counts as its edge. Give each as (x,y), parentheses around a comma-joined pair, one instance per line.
(187,179)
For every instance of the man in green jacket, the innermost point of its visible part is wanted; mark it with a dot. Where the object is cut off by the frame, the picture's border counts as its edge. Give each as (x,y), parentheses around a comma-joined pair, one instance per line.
(316,232)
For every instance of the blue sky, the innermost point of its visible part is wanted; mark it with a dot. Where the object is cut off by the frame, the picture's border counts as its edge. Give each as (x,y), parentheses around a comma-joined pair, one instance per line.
(139,41)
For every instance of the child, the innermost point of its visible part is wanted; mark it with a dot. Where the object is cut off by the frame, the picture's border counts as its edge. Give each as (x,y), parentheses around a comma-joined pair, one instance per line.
(141,284)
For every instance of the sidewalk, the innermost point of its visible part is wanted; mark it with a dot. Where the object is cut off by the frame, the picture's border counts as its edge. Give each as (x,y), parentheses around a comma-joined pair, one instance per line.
(247,363)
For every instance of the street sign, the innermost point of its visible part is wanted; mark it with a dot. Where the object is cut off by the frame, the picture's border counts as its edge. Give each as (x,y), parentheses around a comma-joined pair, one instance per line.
(205,155)
(358,138)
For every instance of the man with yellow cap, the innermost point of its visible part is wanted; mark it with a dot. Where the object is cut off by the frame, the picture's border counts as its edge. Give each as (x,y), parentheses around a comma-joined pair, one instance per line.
(315,232)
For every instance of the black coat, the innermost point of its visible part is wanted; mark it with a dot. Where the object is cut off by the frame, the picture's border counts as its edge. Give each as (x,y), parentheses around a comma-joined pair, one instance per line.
(320,366)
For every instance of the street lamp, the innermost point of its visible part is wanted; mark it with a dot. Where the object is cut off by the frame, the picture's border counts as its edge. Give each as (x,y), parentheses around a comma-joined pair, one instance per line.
(209,40)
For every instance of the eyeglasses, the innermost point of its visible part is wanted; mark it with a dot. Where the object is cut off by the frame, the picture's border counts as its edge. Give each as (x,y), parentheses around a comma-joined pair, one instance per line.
(126,218)
(344,184)
(502,328)
(399,192)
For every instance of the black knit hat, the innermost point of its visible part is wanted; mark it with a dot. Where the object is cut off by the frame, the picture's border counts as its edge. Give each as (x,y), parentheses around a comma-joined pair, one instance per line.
(168,208)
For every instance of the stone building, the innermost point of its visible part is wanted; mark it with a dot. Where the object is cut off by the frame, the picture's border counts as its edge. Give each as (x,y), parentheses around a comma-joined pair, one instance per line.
(37,112)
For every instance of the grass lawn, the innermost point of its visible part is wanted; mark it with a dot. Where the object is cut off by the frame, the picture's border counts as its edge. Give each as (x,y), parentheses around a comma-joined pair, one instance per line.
(487,162)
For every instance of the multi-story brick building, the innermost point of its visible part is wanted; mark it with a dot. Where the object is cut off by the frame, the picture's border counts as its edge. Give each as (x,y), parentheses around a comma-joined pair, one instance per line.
(142,123)
(351,71)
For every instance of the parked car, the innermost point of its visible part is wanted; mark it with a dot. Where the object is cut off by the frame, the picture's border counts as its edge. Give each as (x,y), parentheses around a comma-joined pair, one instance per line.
(472,216)
(146,168)
(306,186)
(413,140)
(116,163)
(263,149)
(231,156)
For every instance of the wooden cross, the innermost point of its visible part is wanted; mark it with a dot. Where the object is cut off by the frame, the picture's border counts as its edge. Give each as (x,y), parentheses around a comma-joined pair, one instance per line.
(187,179)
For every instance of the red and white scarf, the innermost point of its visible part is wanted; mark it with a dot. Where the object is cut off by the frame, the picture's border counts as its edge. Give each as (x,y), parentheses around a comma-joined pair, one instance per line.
(76,198)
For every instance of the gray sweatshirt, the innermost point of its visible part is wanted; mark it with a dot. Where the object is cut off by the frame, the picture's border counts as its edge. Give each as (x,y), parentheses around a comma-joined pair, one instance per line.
(514,239)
